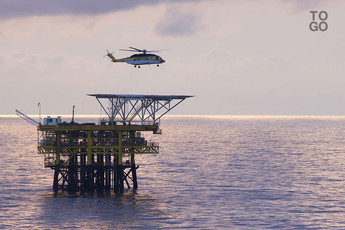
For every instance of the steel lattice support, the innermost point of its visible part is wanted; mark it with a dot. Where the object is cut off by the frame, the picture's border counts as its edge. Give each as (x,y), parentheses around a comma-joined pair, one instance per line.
(142,109)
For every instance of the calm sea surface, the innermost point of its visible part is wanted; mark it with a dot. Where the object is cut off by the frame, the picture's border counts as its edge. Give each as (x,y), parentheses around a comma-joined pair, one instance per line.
(211,173)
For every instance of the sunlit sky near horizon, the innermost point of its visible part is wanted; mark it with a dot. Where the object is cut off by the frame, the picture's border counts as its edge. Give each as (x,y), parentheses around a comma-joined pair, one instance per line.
(236,57)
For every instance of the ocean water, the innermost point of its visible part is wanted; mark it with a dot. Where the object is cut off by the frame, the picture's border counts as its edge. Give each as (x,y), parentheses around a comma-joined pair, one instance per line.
(212,172)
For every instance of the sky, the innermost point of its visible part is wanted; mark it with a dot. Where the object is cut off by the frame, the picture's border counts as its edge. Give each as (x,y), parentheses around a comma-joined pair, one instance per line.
(237,57)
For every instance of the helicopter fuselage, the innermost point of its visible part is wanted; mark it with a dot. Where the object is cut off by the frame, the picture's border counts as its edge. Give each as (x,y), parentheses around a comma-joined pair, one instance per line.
(140,59)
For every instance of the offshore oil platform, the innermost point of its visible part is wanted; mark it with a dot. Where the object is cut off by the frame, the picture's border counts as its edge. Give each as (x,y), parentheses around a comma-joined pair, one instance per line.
(101,157)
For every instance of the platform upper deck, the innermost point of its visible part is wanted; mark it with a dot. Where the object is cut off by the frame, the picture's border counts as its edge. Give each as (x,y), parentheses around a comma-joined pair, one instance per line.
(140,97)
(89,127)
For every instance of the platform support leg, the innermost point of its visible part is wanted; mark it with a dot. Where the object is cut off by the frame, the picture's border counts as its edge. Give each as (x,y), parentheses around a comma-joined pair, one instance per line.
(56,178)
(118,185)
(107,172)
(82,172)
(72,178)
(134,172)
(100,172)
(89,167)
(89,178)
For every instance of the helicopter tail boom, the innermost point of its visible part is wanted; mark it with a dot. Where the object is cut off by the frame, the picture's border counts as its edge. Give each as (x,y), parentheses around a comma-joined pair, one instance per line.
(111,56)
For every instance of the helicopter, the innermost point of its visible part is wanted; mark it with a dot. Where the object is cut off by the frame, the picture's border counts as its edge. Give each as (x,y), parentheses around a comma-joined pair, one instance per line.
(143,57)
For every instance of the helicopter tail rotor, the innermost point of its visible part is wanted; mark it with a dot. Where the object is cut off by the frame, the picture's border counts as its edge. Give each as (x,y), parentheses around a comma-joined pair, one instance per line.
(111,56)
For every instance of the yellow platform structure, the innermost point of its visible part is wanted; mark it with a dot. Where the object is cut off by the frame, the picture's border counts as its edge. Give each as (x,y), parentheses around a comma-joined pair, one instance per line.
(88,157)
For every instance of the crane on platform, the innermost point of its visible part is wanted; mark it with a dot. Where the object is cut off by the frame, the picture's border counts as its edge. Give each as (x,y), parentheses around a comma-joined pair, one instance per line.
(27,118)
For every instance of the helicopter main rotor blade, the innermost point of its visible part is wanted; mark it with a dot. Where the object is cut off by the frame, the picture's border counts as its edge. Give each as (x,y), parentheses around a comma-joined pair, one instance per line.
(133,49)
(136,49)
(129,50)
(156,51)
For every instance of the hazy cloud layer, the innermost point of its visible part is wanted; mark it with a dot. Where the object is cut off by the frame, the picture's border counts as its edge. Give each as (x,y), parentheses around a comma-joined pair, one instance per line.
(20,8)
(176,22)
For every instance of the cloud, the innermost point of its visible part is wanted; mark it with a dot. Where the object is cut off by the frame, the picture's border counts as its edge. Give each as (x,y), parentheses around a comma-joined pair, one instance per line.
(302,5)
(177,22)
(22,8)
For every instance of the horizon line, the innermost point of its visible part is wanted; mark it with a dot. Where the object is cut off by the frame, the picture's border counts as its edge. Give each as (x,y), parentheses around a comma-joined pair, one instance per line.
(170,115)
